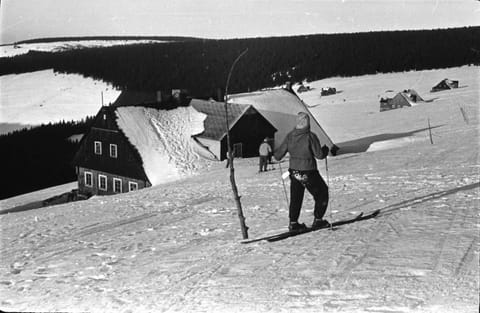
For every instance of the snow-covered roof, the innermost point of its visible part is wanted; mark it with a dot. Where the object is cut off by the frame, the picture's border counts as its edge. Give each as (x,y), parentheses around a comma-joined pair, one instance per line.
(163,139)
(280,107)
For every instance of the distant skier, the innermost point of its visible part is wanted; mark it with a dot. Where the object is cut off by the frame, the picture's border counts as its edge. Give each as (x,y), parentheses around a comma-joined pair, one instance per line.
(264,151)
(303,147)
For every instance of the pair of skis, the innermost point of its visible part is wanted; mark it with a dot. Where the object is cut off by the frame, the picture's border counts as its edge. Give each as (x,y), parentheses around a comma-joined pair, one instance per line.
(334,225)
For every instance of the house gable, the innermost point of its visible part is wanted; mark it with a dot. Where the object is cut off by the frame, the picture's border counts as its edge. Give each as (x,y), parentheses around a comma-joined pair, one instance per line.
(248,127)
(105,130)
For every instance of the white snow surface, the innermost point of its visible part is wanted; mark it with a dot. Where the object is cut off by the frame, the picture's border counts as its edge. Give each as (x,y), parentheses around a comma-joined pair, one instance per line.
(163,139)
(19,49)
(176,247)
(44,96)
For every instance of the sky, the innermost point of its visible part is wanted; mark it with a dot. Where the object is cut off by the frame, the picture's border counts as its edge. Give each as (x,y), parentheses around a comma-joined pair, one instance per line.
(30,19)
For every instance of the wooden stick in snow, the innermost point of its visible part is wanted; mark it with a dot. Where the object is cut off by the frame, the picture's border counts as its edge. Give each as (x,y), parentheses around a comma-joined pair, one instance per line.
(230,156)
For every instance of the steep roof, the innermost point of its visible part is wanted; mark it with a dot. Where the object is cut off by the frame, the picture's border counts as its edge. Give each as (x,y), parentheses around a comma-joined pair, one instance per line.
(105,129)
(154,143)
(280,108)
(215,127)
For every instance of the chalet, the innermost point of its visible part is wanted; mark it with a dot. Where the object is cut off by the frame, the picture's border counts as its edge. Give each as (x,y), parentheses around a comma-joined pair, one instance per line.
(445,85)
(127,146)
(106,162)
(248,128)
(406,98)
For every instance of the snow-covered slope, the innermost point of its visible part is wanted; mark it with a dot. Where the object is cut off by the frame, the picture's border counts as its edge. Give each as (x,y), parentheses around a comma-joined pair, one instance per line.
(19,49)
(44,96)
(175,247)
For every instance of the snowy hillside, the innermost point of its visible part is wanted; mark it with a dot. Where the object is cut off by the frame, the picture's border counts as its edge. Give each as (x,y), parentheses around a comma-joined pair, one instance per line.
(176,247)
(44,96)
(19,49)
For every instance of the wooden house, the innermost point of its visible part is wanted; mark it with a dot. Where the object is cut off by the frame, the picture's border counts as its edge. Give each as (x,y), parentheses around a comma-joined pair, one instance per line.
(248,128)
(106,162)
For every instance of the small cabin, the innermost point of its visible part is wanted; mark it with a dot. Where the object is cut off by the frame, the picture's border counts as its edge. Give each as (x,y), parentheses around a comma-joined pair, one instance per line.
(445,84)
(248,128)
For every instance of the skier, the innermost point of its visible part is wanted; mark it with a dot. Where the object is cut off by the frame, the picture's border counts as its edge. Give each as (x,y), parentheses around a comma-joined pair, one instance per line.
(264,150)
(303,147)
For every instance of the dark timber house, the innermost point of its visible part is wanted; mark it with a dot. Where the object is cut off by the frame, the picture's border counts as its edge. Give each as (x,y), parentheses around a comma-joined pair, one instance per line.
(106,162)
(248,128)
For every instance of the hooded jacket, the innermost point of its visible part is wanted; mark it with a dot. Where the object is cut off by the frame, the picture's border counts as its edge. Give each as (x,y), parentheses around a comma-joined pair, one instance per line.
(303,146)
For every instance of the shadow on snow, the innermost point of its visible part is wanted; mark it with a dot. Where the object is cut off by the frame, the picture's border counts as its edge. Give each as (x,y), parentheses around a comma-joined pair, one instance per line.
(362,144)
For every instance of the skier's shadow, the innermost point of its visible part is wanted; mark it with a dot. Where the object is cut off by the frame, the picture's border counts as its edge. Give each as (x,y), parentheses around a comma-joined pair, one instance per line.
(397,206)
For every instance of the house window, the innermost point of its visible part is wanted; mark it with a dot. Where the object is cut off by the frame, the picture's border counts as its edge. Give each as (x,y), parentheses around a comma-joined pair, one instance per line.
(102,182)
(88,179)
(132,186)
(98,147)
(117,185)
(113,150)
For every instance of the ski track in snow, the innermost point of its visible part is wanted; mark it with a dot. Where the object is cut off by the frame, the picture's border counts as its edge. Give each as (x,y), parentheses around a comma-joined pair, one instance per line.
(175,247)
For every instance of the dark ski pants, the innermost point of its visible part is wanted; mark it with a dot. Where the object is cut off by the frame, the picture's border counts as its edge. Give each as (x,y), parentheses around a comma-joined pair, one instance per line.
(263,163)
(317,188)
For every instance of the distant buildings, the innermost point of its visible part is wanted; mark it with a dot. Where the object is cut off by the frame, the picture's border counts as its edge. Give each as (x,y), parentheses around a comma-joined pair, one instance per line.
(406,98)
(445,84)
(328,91)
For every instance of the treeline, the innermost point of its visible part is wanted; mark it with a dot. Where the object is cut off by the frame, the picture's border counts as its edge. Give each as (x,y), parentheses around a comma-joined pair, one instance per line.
(202,66)
(39,157)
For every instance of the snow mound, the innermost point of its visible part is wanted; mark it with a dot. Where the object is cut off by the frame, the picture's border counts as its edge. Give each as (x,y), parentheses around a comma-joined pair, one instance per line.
(163,139)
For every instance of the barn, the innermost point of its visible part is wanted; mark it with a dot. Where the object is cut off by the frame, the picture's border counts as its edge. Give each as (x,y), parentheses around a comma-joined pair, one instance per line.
(248,128)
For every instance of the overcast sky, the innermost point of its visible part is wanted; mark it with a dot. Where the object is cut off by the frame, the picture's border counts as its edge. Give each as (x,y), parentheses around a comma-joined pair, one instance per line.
(28,19)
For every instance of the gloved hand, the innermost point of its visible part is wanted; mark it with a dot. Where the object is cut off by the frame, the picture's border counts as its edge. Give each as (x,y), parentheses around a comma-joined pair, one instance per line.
(325,150)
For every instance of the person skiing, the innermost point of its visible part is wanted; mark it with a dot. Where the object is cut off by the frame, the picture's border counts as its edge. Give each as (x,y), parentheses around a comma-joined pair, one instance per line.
(304,147)
(264,150)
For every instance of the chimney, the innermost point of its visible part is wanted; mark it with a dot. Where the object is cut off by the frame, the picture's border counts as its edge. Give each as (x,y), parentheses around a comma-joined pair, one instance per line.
(159,96)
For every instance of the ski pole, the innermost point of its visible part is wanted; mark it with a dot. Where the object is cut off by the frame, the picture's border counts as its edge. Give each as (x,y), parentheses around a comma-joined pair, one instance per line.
(283,183)
(328,188)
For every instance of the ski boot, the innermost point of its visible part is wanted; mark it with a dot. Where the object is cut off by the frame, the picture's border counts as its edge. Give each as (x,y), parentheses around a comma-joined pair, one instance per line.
(295,226)
(320,223)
